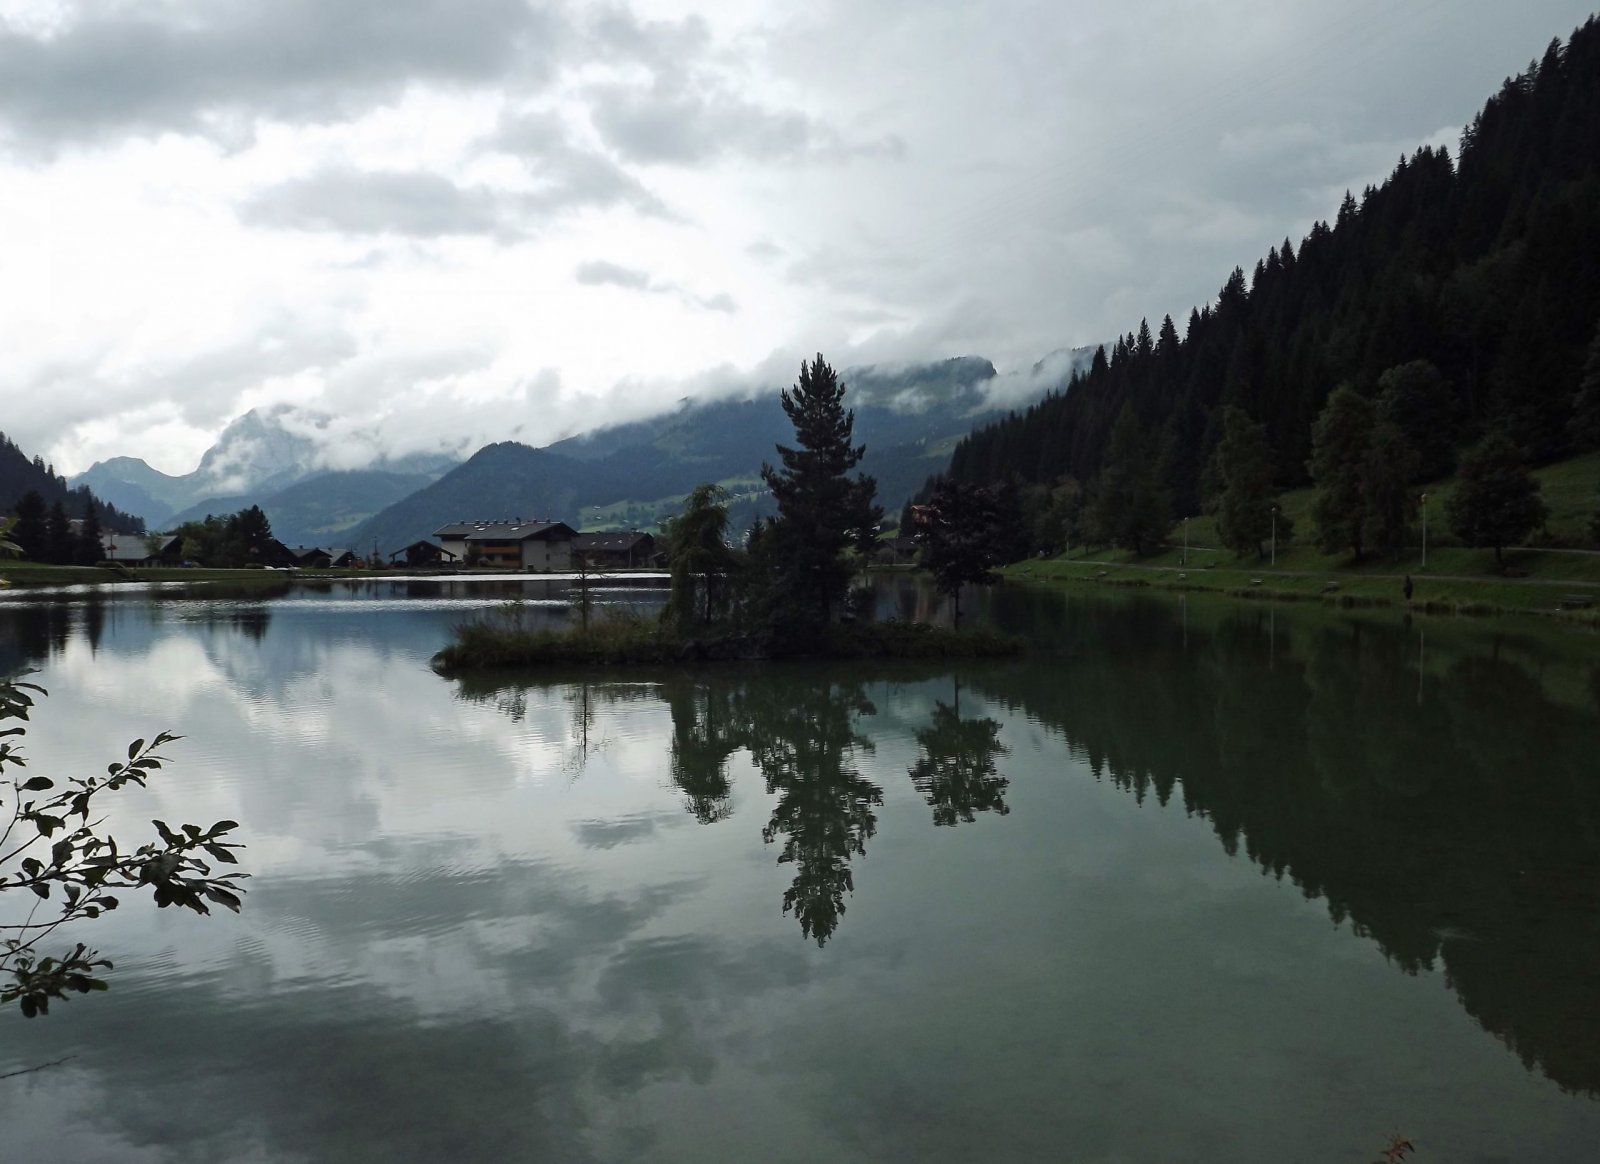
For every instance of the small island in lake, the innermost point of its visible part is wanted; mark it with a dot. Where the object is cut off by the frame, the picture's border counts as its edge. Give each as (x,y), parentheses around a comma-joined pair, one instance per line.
(787,593)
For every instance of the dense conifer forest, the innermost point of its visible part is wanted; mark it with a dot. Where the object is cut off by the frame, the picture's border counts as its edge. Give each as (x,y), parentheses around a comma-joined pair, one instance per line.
(20,475)
(1482,273)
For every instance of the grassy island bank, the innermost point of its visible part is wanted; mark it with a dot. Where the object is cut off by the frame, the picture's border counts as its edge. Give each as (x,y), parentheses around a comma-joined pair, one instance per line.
(630,640)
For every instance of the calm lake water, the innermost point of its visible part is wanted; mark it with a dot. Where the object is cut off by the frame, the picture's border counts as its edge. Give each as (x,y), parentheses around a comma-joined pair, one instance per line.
(1194,881)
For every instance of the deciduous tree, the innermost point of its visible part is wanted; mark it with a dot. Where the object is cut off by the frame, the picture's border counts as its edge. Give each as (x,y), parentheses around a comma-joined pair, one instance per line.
(51,846)
(1420,402)
(1338,448)
(698,557)
(960,532)
(1496,500)
(1388,502)
(1244,472)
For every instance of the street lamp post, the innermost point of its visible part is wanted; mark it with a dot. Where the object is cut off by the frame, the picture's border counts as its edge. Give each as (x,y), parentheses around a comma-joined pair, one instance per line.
(1424,531)
(1185,541)
(1274,535)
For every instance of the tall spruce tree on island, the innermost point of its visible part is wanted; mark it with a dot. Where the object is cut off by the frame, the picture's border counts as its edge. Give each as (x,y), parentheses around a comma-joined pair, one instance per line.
(822,511)
(1496,500)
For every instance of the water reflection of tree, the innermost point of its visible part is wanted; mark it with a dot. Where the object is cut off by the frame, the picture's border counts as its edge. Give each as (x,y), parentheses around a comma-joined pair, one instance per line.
(803,738)
(956,771)
(705,733)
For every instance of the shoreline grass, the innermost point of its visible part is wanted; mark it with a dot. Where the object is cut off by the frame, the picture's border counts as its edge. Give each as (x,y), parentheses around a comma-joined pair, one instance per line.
(1545,584)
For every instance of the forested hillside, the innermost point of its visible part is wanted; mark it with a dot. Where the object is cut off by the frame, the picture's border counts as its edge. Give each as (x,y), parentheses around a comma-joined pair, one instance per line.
(20,475)
(1487,267)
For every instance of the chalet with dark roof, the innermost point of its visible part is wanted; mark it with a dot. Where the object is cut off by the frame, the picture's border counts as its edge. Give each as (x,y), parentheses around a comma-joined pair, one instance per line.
(616,549)
(322,557)
(140,550)
(538,546)
(423,553)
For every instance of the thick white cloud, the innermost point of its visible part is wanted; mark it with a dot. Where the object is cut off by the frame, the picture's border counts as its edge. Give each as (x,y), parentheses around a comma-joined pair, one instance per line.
(449,222)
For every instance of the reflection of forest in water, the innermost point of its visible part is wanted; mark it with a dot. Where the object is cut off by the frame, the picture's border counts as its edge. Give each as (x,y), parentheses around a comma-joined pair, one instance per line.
(32,632)
(1438,786)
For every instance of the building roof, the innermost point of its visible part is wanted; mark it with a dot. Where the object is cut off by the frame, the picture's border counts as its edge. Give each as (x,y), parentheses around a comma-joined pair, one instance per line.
(612,539)
(131,547)
(503,531)
(333,552)
(423,544)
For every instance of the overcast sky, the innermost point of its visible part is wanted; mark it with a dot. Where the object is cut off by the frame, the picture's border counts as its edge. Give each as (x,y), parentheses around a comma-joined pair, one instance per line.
(452,221)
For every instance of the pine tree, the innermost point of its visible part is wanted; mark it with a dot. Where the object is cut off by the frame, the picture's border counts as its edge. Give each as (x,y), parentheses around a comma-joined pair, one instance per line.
(253,529)
(59,540)
(1129,510)
(1244,473)
(1584,427)
(1338,449)
(91,545)
(1496,500)
(30,533)
(821,510)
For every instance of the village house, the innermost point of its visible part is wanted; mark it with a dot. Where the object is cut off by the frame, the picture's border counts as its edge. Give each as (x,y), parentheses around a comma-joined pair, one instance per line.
(423,553)
(615,549)
(142,549)
(538,546)
(322,558)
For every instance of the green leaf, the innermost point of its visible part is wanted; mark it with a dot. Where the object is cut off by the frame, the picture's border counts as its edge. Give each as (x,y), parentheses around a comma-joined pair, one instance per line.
(133,748)
(38,784)
(223,897)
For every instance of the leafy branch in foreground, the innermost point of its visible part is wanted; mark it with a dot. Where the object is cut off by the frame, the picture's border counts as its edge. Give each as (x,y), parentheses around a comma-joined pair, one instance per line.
(51,847)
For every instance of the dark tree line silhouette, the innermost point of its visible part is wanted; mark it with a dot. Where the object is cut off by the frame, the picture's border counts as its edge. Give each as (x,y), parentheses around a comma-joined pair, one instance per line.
(1466,287)
(21,476)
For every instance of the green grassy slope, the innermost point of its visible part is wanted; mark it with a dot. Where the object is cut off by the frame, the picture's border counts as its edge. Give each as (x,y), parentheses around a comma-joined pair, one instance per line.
(1455,578)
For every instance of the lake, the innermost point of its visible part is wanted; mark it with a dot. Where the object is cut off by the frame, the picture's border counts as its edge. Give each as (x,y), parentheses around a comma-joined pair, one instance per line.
(1193,881)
